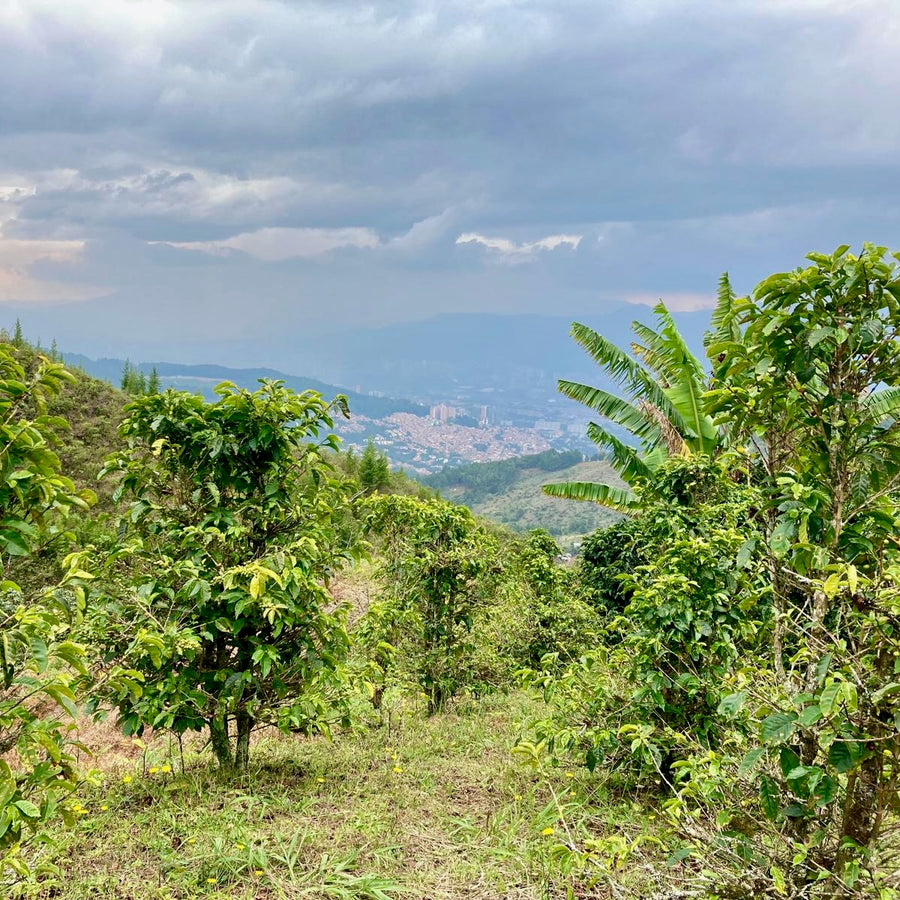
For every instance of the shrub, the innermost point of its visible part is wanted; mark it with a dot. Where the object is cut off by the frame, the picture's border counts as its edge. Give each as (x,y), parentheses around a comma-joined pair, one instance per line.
(238,526)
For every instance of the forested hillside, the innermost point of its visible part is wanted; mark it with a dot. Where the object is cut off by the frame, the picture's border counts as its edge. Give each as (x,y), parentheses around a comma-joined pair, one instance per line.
(509,492)
(238,662)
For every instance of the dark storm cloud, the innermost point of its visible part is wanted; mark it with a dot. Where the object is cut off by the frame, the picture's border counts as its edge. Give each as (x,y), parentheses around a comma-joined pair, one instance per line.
(208,162)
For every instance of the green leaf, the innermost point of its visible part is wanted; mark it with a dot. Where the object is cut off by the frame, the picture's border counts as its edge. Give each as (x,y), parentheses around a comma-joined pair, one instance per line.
(781,537)
(809,716)
(883,692)
(769,796)
(744,554)
(788,760)
(592,492)
(778,727)
(751,758)
(828,696)
(27,808)
(731,705)
(826,790)
(844,755)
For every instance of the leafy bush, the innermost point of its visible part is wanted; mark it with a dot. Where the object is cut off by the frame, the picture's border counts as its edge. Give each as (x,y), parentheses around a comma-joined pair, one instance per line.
(695,609)
(434,556)
(38,660)
(608,556)
(533,617)
(237,525)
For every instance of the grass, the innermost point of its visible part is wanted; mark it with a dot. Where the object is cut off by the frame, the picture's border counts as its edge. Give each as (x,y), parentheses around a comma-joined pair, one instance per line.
(424,808)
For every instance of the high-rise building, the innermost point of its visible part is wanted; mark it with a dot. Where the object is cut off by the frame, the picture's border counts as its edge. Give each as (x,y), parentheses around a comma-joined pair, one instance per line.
(443,413)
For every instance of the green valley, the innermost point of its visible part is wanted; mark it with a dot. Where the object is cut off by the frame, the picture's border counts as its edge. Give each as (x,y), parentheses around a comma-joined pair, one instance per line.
(509,492)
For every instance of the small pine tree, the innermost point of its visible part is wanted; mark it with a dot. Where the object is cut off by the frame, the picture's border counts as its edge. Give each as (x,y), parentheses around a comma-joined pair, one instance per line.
(153,382)
(374,471)
(18,339)
(352,463)
(125,383)
(54,351)
(382,473)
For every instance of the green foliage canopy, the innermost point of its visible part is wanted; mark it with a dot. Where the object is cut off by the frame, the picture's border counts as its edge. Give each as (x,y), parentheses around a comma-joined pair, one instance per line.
(434,554)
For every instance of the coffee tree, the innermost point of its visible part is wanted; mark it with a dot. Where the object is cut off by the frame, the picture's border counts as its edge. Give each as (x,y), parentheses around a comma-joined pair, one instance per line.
(808,370)
(38,660)
(434,554)
(238,526)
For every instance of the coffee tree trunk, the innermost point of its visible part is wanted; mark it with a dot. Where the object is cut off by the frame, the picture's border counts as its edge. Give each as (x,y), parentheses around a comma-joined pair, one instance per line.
(236,760)
(242,747)
(221,743)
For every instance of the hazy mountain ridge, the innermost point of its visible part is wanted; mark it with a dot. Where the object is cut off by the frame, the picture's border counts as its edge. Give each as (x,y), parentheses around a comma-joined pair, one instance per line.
(203,378)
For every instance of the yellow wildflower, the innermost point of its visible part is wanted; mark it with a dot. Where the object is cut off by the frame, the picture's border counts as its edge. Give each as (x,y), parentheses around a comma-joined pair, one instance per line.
(398,770)
(320,780)
(166,769)
(569,775)
(152,770)
(547,831)
(127,779)
(239,847)
(258,872)
(517,797)
(104,808)
(192,840)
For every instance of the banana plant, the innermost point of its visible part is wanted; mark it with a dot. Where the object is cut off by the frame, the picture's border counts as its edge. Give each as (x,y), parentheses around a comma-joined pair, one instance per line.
(661,403)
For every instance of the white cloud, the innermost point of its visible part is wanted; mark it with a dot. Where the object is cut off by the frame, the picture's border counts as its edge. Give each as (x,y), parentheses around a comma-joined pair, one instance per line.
(277,244)
(510,251)
(679,301)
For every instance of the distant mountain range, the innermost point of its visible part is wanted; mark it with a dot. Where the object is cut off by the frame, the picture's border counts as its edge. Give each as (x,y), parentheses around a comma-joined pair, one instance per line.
(499,370)
(434,358)
(425,361)
(202,379)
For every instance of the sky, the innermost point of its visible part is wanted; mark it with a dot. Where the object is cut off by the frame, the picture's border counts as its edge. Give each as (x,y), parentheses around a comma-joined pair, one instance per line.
(182,174)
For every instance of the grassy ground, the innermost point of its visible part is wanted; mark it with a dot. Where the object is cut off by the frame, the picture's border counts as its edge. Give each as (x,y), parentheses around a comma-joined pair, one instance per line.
(426,808)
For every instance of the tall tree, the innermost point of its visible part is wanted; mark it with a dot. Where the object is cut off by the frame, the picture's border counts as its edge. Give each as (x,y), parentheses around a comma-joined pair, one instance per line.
(662,408)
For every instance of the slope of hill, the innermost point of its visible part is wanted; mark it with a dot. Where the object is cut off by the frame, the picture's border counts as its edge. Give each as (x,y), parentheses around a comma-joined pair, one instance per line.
(93,410)
(510,493)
